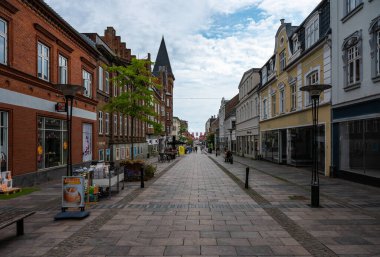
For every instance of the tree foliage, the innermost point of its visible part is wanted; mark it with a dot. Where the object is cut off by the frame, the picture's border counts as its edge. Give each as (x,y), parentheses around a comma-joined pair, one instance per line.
(136,98)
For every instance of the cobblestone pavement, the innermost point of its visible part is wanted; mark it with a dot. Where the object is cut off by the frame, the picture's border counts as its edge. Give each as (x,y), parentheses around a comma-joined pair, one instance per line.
(199,207)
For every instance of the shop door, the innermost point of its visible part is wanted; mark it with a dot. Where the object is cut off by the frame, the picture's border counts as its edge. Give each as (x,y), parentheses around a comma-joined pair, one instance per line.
(283,145)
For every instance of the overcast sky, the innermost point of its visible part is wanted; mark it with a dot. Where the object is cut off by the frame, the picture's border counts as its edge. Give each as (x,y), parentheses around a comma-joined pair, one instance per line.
(211,43)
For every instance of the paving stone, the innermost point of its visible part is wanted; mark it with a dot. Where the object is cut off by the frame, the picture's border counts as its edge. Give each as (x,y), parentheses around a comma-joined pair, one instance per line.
(215,234)
(110,250)
(200,241)
(233,241)
(218,250)
(182,250)
(253,250)
(167,241)
(147,250)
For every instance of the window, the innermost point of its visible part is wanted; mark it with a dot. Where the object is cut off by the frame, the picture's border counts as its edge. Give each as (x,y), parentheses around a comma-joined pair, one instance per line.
(100,78)
(293,95)
(282,60)
(265,112)
(62,69)
(351,5)
(51,142)
(86,83)
(296,44)
(264,75)
(117,154)
(43,61)
(3,141)
(121,125)
(108,155)
(101,154)
(87,142)
(115,124)
(107,85)
(107,123)
(114,89)
(271,66)
(257,106)
(352,58)
(353,61)
(312,32)
(100,122)
(125,126)
(374,31)
(311,79)
(273,105)
(3,41)
(167,102)
(282,101)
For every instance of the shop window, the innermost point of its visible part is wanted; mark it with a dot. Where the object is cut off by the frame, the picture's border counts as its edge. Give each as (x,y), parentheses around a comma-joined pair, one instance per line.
(62,69)
(43,61)
(87,83)
(3,41)
(87,142)
(3,141)
(52,143)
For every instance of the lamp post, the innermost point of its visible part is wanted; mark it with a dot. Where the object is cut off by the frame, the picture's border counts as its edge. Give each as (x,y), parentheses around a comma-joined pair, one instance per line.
(69,91)
(315,91)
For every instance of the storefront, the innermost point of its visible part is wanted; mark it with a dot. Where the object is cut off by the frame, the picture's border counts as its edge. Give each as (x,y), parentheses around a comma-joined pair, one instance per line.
(52,146)
(4,140)
(356,142)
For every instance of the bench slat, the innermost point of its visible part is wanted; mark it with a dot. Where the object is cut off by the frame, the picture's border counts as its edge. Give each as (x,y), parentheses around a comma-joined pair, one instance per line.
(9,217)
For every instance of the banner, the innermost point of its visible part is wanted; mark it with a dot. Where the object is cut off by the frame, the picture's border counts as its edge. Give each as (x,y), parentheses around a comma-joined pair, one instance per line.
(72,192)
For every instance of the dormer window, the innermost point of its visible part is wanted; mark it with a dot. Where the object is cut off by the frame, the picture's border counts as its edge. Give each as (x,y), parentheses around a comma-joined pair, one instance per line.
(264,75)
(312,31)
(271,68)
(296,45)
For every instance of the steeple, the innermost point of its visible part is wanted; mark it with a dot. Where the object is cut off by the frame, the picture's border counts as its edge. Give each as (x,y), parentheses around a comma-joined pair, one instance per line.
(162,59)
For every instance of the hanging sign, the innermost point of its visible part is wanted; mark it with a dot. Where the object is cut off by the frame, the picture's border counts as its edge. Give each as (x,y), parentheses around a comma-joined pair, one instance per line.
(60,107)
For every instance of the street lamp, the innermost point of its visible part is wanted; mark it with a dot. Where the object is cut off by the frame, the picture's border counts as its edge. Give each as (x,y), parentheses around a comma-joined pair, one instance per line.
(69,91)
(315,91)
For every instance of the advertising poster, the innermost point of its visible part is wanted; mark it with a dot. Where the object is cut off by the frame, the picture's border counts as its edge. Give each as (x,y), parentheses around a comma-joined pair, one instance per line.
(72,192)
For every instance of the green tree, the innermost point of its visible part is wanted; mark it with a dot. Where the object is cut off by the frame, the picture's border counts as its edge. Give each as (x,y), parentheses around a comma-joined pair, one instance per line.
(182,133)
(210,139)
(138,100)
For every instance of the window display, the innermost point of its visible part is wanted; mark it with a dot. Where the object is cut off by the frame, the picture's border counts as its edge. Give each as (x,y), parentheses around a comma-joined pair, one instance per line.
(51,142)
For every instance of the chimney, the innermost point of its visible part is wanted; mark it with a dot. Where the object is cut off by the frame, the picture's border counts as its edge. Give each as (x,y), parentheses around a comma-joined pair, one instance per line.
(282,21)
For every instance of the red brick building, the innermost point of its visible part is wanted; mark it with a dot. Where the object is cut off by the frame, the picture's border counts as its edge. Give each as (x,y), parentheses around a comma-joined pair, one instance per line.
(38,50)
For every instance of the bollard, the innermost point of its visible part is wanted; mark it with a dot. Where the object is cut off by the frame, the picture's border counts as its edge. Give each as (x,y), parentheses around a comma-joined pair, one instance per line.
(246,177)
(142,176)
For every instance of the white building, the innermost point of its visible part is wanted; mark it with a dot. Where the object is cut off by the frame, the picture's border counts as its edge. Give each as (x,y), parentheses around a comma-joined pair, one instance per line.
(247,114)
(221,115)
(355,28)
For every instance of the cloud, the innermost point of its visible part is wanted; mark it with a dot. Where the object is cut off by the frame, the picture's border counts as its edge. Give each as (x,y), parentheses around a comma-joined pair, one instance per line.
(211,43)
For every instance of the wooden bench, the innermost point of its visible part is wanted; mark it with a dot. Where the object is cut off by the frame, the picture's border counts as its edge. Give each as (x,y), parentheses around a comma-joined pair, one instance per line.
(10,216)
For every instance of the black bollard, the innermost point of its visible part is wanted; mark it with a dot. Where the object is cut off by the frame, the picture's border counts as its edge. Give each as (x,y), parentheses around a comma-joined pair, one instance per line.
(142,177)
(246,177)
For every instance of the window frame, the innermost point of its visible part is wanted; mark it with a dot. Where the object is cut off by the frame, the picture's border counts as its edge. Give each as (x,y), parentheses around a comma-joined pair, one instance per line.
(5,36)
(43,58)
(265,109)
(274,105)
(312,78)
(282,101)
(293,97)
(100,124)
(65,68)
(353,40)
(312,31)
(107,121)
(115,124)
(87,83)
(107,82)
(100,78)
(374,31)
(282,58)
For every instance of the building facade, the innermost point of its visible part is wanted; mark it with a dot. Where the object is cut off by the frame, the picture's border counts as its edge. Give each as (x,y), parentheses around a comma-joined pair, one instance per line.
(247,114)
(39,50)
(356,89)
(222,136)
(230,123)
(302,57)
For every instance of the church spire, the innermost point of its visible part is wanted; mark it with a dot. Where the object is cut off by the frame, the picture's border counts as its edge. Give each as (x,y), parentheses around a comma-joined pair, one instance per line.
(162,59)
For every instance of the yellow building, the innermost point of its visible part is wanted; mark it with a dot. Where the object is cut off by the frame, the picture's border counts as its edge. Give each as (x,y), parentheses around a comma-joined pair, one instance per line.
(302,56)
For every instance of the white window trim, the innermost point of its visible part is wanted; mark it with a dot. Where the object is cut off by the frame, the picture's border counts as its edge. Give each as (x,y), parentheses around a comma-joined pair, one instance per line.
(115,124)
(120,125)
(107,123)
(312,31)
(62,69)
(317,70)
(43,58)
(100,69)
(282,100)
(107,82)
(282,60)
(5,36)
(100,122)
(87,83)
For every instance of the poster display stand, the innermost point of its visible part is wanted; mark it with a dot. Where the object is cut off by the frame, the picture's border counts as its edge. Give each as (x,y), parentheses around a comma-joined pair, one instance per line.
(73,197)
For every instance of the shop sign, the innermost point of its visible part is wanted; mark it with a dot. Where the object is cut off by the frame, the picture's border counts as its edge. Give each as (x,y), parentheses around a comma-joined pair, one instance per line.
(60,107)
(72,192)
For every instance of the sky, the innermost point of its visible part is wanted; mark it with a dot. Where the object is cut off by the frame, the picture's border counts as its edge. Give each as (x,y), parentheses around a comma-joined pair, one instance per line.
(210,43)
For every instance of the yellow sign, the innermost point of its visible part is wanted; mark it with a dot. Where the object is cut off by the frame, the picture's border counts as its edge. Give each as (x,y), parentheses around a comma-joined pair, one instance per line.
(181,150)
(39,150)
(65,145)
